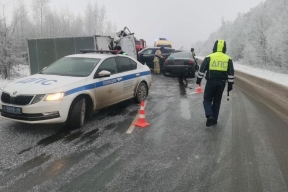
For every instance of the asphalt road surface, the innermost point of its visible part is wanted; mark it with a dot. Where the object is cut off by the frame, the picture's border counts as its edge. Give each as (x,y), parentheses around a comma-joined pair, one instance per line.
(245,151)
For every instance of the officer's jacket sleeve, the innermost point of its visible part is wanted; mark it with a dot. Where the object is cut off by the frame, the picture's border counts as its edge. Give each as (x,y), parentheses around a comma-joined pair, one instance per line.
(230,71)
(158,53)
(204,67)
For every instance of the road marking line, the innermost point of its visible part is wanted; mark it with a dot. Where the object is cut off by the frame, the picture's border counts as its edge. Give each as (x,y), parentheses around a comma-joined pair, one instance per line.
(132,126)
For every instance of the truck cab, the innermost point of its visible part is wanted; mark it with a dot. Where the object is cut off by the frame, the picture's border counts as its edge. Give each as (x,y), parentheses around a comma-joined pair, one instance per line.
(140,44)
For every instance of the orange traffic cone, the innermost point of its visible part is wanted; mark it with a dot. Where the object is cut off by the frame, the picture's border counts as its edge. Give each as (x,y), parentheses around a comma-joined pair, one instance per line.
(142,120)
(199,89)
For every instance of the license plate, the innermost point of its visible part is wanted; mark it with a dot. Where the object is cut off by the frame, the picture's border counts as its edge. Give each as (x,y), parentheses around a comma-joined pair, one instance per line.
(178,63)
(10,109)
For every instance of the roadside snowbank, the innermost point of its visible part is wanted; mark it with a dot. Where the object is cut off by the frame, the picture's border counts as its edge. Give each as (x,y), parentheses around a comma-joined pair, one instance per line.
(23,70)
(278,78)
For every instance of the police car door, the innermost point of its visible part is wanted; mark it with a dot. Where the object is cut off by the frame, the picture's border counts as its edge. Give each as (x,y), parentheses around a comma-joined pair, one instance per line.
(108,89)
(130,76)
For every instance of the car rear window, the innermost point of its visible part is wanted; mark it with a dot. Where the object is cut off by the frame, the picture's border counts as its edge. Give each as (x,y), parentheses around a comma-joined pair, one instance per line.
(168,51)
(181,54)
(148,52)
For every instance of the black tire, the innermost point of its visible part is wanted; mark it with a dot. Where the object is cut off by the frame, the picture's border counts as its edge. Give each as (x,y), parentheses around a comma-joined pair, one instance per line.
(142,92)
(77,113)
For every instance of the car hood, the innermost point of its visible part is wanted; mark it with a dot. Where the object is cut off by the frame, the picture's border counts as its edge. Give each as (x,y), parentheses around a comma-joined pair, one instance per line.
(42,84)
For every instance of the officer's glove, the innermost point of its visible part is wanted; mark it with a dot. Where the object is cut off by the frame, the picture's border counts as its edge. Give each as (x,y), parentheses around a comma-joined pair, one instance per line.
(230,87)
(198,82)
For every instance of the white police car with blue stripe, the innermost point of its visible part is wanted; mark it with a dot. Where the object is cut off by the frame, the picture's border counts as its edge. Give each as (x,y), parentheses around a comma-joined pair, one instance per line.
(74,87)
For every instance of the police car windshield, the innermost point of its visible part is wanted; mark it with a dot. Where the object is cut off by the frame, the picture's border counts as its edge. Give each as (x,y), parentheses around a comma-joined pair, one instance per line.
(72,66)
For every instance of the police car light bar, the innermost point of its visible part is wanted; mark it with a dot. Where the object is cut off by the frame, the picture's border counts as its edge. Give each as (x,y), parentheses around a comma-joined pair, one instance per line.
(98,51)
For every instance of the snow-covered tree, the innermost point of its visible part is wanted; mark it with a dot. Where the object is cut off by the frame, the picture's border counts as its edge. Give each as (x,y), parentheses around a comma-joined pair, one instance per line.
(9,55)
(40,9)
(277,36)
(45,23)
(257,38)
(102,20)
(89,19)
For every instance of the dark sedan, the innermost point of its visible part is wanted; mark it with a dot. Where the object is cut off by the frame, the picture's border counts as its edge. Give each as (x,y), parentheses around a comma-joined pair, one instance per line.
(146,56)
(180,64)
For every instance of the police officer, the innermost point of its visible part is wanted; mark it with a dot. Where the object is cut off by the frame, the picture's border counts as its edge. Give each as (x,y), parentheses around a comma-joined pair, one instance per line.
(119,49)
(156,60)
(193,55)
(219,67)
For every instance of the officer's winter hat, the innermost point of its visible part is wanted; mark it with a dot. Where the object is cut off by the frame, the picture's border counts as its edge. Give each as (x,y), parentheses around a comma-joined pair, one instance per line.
(219,46)
(118,47)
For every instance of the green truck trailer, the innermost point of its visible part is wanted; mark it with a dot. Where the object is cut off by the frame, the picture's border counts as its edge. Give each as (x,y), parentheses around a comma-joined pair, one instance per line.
(42,52)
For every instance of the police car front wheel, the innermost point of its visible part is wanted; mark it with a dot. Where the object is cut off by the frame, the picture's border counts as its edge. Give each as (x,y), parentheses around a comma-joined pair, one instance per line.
(142,92)
(77,113)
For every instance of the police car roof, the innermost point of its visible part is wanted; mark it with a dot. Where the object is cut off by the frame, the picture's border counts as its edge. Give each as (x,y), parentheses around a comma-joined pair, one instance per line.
(92,55)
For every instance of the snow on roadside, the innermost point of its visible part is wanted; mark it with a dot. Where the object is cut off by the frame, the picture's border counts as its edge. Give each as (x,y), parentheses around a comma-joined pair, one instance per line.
(278,78)
(23,70)
(275,77)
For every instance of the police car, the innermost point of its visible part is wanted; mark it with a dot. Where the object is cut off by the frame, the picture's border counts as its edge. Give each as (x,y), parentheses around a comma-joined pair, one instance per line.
(74,87)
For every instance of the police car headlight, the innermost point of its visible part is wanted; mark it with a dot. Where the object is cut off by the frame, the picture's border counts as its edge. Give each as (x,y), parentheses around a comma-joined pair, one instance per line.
(54,97)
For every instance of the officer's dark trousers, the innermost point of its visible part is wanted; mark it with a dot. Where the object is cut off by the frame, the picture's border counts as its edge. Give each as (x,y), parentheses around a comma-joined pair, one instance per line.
(213,96)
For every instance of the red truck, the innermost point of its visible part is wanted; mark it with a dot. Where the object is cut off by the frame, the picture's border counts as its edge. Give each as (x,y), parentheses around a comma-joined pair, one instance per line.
(140,44)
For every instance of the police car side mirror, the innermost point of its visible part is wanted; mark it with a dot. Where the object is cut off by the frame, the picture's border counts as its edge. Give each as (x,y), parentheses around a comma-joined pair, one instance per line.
(103,73)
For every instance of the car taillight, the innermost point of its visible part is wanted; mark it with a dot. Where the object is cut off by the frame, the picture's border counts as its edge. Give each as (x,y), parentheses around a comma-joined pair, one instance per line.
(191,62)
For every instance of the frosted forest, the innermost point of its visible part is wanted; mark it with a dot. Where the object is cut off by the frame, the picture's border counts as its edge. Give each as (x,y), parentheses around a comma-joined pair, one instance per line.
(257,38)
(44,21)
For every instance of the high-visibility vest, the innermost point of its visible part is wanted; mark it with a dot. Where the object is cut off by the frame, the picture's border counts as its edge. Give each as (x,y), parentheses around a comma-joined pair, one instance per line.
(218,61)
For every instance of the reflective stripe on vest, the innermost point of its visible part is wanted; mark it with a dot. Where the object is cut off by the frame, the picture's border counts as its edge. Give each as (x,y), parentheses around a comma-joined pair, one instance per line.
(124,53)
(218,62)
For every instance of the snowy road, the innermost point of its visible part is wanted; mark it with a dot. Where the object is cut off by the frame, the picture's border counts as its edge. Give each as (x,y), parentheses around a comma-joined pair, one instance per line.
(244,152)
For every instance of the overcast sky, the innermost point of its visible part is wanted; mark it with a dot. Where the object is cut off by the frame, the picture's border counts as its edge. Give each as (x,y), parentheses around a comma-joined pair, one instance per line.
(181,21)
